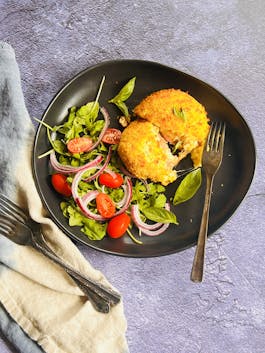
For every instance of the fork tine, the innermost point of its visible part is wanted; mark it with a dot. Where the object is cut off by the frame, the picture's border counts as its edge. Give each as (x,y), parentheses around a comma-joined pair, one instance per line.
(222,137)
(6,222)
(219,136)
(6,227)
(211,137)
(10,208)
(4,231)
(216,137)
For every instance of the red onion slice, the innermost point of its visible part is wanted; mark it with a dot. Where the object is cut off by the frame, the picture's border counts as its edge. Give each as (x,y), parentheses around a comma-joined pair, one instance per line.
(101,169)
(127,199)
(68,169)
(148,229)
(154,233)
(82,203)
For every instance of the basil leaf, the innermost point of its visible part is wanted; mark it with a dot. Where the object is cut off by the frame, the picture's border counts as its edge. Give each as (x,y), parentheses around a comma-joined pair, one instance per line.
(123,95)
(161,215)
(125,92)
(93,229)
(188,187)
(89,112)
(123,107)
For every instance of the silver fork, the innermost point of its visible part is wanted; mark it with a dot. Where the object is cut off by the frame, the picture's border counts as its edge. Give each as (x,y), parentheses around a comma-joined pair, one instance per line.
(100,296)
(211,161)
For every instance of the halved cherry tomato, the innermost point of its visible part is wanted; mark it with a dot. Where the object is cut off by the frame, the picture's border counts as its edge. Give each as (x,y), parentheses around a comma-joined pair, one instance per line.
(79,144)
(112,136)
(113,180)
(60,184)
(105,205)
(118,225)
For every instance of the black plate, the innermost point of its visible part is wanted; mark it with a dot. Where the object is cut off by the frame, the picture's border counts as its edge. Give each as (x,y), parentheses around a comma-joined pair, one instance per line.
(231,182)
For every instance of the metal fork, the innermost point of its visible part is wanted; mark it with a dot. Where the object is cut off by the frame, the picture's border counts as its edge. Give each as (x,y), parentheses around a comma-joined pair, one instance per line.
(211,161)
(29,232)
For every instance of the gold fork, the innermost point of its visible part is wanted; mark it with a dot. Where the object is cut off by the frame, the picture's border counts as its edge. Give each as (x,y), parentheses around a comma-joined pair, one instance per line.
(211,161)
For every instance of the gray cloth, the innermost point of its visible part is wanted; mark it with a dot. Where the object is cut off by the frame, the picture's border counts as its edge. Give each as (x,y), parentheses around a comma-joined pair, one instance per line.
(11,104)
(222,43)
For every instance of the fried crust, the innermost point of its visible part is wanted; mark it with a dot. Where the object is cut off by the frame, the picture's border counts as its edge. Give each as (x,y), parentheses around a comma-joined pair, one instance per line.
(181,120)
(146,154)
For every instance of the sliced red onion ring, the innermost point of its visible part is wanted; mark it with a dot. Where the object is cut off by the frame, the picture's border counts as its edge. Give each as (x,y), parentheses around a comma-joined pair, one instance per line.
(111,172)
(82,203)
(148,229)
(101,169)
(128,198)
(125,196)
(154,233)
(68,169)
(139,223)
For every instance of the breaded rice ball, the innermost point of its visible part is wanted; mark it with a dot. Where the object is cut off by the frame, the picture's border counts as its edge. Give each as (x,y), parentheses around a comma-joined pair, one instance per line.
(146,154)
(181,120)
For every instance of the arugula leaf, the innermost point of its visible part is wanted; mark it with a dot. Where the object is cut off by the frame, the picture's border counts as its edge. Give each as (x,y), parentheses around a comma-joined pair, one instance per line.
(158,214)
(93,229)
(159,200)
(123,95)
(188,187)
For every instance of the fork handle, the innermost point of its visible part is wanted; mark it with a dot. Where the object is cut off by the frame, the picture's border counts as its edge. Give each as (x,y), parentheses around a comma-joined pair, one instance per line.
(198,262)
(97,301)
(105,293)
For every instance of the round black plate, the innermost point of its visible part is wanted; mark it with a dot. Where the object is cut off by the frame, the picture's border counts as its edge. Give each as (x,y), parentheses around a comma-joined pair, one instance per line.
(231,182)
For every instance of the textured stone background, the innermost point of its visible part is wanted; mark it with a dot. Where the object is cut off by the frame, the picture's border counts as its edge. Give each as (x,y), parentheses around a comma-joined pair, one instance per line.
(222,43)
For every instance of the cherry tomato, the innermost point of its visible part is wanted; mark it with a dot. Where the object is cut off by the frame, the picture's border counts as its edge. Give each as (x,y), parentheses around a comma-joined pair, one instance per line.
(105,205)
(113,180)
(79,144)
(112,136)
(118,225)
(60,184)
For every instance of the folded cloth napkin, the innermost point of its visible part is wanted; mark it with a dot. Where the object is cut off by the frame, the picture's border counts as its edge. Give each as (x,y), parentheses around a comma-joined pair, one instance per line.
(42,308)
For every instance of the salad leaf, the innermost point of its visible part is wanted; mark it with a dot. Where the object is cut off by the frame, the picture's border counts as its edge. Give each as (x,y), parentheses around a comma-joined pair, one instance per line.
(158,214)
(88,113)
(123,107)
(159,200)
(123,95)
(148,195)
(188,187)
(93,229)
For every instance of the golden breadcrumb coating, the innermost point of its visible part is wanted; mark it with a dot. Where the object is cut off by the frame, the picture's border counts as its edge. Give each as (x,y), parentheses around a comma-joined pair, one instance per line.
(181,120)
(146,154)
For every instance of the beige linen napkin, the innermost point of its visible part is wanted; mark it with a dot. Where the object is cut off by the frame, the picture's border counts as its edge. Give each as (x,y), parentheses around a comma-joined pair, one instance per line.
(37,294)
